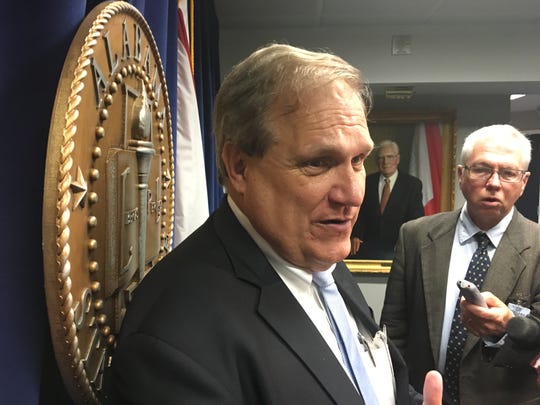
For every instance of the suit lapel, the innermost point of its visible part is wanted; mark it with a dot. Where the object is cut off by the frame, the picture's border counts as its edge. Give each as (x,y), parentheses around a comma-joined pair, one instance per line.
(281,310)
(287,318)
(371,197)
(507,264)
(352,297)
(436,253)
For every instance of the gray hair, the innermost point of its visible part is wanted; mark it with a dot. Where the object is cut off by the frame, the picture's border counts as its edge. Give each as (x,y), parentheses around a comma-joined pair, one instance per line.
(249,91)
(386,143)
(498,134)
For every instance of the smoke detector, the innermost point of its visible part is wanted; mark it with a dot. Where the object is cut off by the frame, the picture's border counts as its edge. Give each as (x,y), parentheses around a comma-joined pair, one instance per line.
(399,93)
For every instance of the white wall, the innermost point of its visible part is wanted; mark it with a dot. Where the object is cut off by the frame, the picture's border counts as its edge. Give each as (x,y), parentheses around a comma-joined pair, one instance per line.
(373,288)
(440,54)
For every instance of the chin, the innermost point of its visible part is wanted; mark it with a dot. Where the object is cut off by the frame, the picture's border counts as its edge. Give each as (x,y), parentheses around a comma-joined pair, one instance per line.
(325,253)
(336,255)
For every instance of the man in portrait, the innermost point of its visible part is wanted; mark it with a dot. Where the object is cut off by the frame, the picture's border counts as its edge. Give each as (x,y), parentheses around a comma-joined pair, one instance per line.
(392,198)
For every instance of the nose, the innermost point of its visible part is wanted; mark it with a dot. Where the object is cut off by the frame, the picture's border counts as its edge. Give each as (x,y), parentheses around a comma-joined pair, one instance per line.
(349,185)
(494,180)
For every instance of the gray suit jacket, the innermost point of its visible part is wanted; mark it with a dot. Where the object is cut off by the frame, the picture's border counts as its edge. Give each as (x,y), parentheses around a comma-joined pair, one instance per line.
(415,298)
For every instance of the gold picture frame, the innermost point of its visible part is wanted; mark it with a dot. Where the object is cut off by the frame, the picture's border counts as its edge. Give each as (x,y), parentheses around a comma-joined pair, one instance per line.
(447,121)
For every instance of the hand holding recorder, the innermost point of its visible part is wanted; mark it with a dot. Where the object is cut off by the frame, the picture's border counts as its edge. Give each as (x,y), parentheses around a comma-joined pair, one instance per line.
(483,314)
(471,293)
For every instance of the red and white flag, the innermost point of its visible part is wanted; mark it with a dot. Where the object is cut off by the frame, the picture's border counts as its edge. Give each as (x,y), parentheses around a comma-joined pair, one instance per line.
(191,200)
(426,164)
(535,363)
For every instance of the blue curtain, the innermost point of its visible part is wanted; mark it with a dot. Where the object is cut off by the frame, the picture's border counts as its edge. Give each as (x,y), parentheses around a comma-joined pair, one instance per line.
(207,81)
(35,37)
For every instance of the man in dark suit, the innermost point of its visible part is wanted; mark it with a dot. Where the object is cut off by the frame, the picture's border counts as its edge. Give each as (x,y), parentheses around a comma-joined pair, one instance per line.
(434,252)
(376,230)
(232,316)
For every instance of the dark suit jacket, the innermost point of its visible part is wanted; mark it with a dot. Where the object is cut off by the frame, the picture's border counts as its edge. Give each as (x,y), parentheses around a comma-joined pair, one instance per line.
(380,231)
(213,323)
(415,298)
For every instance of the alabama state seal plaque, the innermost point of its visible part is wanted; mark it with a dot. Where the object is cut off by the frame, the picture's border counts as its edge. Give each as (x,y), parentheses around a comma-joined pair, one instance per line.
(108,195)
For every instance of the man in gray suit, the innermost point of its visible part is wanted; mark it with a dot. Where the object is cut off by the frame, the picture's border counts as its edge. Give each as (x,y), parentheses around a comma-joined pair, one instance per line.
(434,252)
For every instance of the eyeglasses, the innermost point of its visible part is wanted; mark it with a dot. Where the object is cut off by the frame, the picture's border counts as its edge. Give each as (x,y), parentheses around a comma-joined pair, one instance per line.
(387,157)
(505,174)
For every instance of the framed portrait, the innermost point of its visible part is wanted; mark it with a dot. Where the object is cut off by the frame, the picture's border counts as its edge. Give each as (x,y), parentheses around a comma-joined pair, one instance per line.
(406,129)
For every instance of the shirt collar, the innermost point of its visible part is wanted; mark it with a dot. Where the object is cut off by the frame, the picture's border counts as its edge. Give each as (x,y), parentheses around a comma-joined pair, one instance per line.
(467,229)
(392,178)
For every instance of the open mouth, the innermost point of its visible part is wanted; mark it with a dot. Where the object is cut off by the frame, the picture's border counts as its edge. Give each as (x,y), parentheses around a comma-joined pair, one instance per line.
(335,221)
(491,201)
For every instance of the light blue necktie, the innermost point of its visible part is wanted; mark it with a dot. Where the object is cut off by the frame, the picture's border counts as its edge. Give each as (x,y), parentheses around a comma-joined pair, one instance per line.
(347,341)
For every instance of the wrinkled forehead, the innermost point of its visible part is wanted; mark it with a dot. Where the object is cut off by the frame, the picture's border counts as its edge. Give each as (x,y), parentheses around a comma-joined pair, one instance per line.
(301,96)
(496,153)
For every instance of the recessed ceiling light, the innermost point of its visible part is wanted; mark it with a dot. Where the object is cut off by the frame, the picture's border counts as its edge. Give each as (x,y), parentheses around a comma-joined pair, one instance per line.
(516,96)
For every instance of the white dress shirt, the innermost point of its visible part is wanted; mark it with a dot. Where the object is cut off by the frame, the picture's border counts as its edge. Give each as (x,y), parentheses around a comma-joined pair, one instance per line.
(463,248)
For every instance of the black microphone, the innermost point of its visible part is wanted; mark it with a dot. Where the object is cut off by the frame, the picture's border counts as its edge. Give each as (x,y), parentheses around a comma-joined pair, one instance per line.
(524,332)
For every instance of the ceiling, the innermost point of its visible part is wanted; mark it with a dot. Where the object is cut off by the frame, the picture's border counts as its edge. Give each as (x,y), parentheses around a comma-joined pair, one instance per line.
(320,13)
(260,14)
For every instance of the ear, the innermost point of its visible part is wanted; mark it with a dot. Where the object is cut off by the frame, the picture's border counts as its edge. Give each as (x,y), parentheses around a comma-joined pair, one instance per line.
(235,165)
(524,181)
(460,170)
